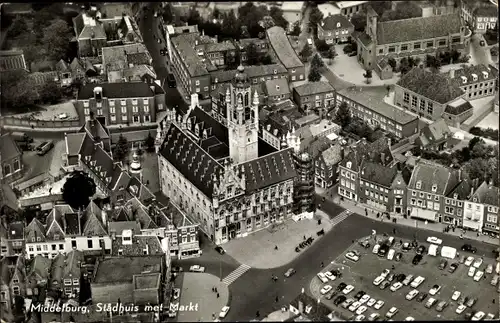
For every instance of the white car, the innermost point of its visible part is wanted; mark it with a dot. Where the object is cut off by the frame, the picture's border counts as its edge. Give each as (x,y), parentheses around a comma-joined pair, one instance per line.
(197,269)
(330,276)
(224,311)
(434,290)
(460,309)
(62,116)
(479,274)
(378,280)
(385,273)
(417,281)
(478,316)
(471,272)
(376,248)
(478,263)
(434,240)
(469,261)
(391,312)
(396,286)
(373,317)
(379,304)
(364,299)
(371,302)
(326,289)
(456,295)
(359,318)
(361,310)
(409,318)
(411,295)
(489,269)
(354,306)
(390,254)
(348,289)
(490,317)
(322,277)
(352,256)
(309,41)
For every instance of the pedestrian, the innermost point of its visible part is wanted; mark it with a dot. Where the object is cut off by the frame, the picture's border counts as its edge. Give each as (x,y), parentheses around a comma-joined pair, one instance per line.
(217,295)
(275,247)
(213,289)
(276,299)
(393,267)
(366,212)
(322,265)
(493,301)
(257,314)
(216,290)
(304,237)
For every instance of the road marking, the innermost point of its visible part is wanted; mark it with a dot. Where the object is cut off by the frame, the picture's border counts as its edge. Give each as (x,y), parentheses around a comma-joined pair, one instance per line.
(237,273)
(341,217)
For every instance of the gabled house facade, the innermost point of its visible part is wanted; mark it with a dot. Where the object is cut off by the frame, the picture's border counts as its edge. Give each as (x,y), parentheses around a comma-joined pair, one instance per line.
(12,281)
(481,211)
(326,165)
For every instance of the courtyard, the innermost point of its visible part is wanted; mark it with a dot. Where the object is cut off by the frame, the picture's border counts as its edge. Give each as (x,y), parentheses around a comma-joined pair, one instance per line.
(361,274)
(490,121)
(61,111)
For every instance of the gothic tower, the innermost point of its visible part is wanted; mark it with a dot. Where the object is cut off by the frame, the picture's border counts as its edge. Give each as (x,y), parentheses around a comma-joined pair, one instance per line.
(242,118)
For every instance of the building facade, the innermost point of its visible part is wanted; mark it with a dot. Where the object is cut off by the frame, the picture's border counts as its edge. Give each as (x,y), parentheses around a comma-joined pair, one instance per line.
(11,159)
(314,95)
(335,29)
(282,51)
(476,81)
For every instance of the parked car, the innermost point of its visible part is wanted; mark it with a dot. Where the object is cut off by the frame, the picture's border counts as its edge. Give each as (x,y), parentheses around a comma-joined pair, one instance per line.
(376,248)
(469,261)
(197,269)
(460,309)
(220,250)
(359,295)
(348,289)
(329,275)
(409,318)
(469,248)
(371,302)
(391,312)
(422,297)
(478,263)
(435,289)
(361,317)
(494,280)
(379,304)
(407,280)
(341,286)
(412,294)
(396,286)
(417,259)
(348,302)
(489,317)
(421,250)
(400,278)
(456,295)
(354,306)
(44,147)
(383,250)
(442,264)
(406,247)
(441,306)
(479,274)
(352,256)
(471,302)
(434,240)
(339,300)
(331,295)
(384,284)
(290,272)
(478,316)
(364,299)
(489,269)
(365,244)
(391,278)
(430,302)
(417,281)
(361,309)
(326,289)
(322,277)
(453,267)
(378,280)
(471,272)
(373,317)
(224,312)
(385,272)
(398,256)
(390,254)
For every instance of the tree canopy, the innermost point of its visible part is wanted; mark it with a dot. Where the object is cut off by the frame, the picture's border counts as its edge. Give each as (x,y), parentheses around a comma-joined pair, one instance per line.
(121,149)
(343,116)
(317,61)
(277,14)
(306,52)
(314,74)
(150,143)
(18,89)
(78,189)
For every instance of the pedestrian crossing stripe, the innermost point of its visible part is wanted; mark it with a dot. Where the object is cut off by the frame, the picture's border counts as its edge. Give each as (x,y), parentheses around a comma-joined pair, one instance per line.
(341,217)
(237,273)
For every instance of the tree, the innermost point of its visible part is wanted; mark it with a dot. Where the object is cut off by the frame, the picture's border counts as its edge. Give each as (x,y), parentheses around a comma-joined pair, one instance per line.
(78,189)
(267,22)
(150,143)
(266,60)
(473,142)
(18,89)
(296,30)
(232,61)
(167,13)
(317,62)
(306,52)
(194,17)
(17,28)
(253,56)
(277,14)
(403,10)
(314,74)
(392,63)
(250,15)
(321,45)
(331,54)
(50,92)
(404,66)
(343,116)
(216,14)
(57,37)
(121,149)
(315,18)
(231,26)
(368,76)
(432,62)
(359,21)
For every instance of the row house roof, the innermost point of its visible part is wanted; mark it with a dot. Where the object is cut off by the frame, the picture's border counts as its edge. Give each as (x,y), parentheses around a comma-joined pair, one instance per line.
(12,267)
(487,194)
(120,90)
(435,132)
(378,151)
(312,88)
(140,245)
(333,22)
(283,48)
(333,155)
(433,178)
(377,173)
(65,266)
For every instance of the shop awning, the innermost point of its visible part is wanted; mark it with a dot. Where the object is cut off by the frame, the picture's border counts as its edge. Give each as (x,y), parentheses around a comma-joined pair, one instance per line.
(424,214)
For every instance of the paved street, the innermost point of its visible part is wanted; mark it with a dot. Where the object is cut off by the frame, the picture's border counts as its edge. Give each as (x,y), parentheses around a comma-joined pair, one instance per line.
(479,54)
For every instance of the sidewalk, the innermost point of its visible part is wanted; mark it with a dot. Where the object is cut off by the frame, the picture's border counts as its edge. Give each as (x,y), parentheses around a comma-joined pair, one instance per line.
(359,208)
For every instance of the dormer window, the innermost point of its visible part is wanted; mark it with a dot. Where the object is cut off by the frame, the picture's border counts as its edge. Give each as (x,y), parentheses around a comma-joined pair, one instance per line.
(419,185)
(275,71)
(216,80)
(123,102)
(93,163)
(338,25)
(120,252)
(277,87)
(474,199)
(434,188)
(474,77)
(485,74)
(464,79)
(455,196)
(86,103)
(349,165)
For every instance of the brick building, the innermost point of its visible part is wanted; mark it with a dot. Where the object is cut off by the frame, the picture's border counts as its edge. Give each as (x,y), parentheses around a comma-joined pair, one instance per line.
(283,52)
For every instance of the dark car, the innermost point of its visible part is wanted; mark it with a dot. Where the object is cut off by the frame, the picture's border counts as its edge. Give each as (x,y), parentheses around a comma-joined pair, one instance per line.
(453,267)
(220,250)
(400,277)
(171,80)
(341,286)
(383,250)
(177,269)
(406,247)
(416,260)
(469,248)
(398,257)
(359,295)
(331,295)
(441,306)
(421,297)
(391,277)
(471,302)
(443,264)
(384,284)
(339,300)
(365,244)
(421,250)
(469,314)
(335,272)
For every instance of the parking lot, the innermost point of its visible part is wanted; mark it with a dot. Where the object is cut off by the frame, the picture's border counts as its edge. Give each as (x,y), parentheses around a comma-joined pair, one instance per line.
(361,274)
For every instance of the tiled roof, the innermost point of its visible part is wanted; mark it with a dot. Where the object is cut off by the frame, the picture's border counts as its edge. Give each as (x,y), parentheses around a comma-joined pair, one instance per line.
(433,174)
(117,227)
(363,38)
(16,230)
(74,142)
(96,130)
(332,22)
(8,147)
(312,88)
(318,146)
(121,269)
(40,267)
(362,150)
(332,155)
(72,224)
(436,131)
(56,271)
(458,106)
(377,105)
(433,86)
(487,10)
(117,90)
(139,58)
(487,194)
(414,29)
(91,221)
(463,190)
(74,259)
(185,45)
(75,65)
(133,136)
(277,87)
(377,173)
(62,66)
(269,170)
(139,244)
(478,70)
(219,47)
(190,159)
(284,50)
(176,216)
(263,70)
(34,230)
